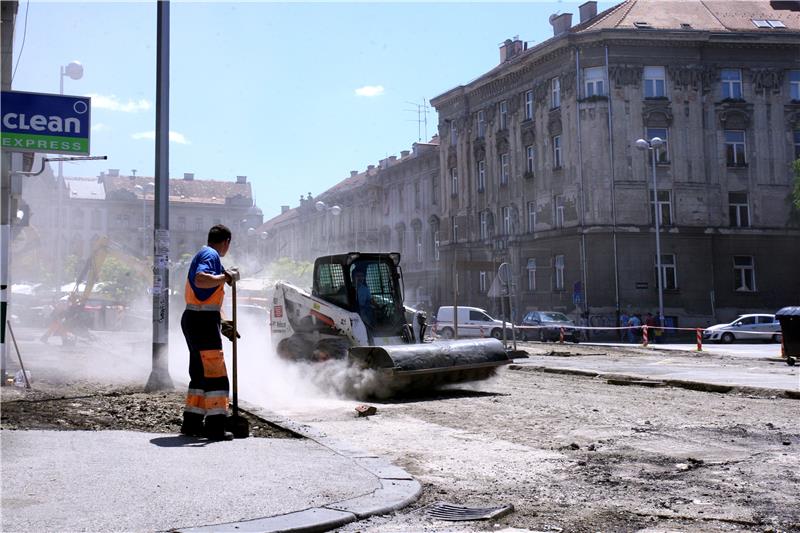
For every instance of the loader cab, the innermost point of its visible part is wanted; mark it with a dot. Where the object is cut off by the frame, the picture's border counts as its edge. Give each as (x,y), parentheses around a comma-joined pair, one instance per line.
(363,283)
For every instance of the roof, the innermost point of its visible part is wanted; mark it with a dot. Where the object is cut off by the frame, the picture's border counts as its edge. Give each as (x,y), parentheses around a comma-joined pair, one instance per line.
(703,15)
(182,190)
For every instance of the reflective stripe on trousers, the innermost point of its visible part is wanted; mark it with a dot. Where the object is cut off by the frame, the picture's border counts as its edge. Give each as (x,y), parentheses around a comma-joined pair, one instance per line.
(208,377)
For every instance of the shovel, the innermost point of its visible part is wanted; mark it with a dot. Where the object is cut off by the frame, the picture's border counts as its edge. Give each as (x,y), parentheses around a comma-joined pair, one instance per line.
(238,425)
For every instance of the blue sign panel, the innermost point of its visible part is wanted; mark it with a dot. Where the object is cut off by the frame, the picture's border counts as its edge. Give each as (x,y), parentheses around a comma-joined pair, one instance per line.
(49,123)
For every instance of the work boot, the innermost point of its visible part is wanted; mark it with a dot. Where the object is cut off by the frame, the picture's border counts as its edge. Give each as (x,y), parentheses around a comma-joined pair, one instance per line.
(192,425)
(215,428)
(218,435)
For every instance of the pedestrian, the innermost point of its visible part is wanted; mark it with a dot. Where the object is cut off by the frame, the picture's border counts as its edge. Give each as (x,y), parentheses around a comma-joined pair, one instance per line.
(623,323)
(651,322)
(206,408)
(634,325)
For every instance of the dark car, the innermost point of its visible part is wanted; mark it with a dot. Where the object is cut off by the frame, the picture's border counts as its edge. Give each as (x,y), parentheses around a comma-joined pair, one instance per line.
(547,326)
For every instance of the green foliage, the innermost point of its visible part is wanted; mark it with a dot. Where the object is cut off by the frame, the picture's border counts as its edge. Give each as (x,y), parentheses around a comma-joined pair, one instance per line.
(295,272)
(121,282)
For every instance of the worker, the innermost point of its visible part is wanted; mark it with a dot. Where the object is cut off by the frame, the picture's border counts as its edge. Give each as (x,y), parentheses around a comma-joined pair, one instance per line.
(206,408)
(364,296)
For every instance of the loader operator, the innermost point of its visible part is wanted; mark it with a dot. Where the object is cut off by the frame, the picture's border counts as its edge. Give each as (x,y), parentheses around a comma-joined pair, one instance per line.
(206,406)
(366,305)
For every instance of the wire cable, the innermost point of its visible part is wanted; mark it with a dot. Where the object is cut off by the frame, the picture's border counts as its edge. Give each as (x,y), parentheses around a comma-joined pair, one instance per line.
(22,46)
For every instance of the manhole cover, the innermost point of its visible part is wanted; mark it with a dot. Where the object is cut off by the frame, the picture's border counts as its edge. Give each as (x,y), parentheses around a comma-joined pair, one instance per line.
(454,513)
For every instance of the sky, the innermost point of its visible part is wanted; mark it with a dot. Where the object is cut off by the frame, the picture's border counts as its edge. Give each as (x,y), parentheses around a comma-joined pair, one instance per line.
(292,95)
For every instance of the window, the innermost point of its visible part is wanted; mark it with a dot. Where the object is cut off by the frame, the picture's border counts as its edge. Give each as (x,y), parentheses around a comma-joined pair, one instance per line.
(529,105)
(731,83)
(504,168)
(738,210)
(453,181)
(760,23)
(558,211)
(794,85)
(330,284)
(483,281)
(664,210)
(662,152)
(481,124)
(555,93)
(558,263)
(481,175)
(418,244)
(454,224)
(417,201)
(198,223)
(744,273)
(506,220)
(453,134)
(797,144)
(594,81)
(735,148)
(557,151)
(530,159)
(96,219)
(435,189)
(436,245)
(655,82)
(503,111)
(531,217)
(484,225)
(181,224)
(669,274)
(531,274)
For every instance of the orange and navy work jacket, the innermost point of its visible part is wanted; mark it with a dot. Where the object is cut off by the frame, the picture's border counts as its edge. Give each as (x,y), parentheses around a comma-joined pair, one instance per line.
(206,260)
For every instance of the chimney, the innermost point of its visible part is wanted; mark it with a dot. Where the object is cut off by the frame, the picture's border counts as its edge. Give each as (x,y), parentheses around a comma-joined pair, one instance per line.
(284,208)
(353,173)
(561,23)
(588,11)
(370,168)
(405,153)
(188,176)
(241,179)
(392,159)
(113,172)
(510,49)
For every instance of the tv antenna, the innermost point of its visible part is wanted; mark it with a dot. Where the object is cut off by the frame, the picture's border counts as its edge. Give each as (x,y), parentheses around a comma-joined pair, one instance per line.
(422,118)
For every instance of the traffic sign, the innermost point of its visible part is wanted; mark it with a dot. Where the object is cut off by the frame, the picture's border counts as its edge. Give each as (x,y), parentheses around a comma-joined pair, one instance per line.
(49,123)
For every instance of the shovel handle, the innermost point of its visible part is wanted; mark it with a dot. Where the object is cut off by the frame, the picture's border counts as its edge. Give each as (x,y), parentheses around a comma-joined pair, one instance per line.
(235,369)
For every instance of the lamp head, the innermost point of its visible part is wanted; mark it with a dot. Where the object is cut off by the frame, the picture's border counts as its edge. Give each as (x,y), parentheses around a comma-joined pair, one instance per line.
(336,210)
(641,144)
(320,206)
(74,70)
(251,232)
(655,142)
(264,235)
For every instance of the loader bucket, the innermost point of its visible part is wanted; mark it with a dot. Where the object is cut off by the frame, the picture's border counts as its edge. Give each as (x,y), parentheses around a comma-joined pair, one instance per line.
(428,365)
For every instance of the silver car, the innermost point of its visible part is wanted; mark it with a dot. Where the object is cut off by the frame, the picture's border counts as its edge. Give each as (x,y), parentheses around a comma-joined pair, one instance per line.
(761,327)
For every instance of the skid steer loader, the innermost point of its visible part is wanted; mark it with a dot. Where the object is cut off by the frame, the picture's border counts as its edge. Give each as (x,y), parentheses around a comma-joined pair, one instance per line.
(355,312)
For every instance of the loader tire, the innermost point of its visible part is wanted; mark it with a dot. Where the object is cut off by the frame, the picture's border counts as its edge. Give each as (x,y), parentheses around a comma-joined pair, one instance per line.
(446,333)
(294,349)
(328,349)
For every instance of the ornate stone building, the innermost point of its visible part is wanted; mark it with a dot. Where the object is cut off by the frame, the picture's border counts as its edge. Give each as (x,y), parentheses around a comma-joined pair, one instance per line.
(540,169)
(390,207)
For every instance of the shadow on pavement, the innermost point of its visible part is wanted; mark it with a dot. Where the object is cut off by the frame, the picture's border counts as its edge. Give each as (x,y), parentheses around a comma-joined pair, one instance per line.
(177,441)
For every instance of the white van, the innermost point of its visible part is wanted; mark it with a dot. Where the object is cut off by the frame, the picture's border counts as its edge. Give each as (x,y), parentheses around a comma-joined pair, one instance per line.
(472,322)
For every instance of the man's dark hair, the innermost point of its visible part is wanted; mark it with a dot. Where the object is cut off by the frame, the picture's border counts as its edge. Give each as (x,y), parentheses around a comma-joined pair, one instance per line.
(218,233)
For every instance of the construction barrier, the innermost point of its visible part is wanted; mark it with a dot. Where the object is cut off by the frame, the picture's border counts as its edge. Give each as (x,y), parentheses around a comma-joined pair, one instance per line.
(699,340)
(561,336)
(644,335)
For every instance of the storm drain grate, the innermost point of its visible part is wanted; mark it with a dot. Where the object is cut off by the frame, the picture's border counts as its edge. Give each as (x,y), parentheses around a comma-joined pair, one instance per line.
(454,513)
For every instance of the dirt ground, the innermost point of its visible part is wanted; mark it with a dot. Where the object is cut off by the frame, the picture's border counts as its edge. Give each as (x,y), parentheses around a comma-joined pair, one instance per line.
(81,405)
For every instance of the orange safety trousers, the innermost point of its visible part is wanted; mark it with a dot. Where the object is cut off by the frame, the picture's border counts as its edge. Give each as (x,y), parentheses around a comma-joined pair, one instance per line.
(207,397)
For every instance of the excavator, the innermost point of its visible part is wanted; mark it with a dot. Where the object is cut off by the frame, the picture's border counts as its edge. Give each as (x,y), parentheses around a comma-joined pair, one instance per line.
(70,320)
(355,312)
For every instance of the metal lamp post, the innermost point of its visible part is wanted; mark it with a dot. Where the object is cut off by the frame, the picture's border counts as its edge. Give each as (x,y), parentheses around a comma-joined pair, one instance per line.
(653,145)
(74,71)
(335,210)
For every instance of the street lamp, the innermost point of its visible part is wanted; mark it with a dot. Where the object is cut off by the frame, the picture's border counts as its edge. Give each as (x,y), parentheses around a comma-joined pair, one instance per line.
(653,145)
(335,210)
(142,190)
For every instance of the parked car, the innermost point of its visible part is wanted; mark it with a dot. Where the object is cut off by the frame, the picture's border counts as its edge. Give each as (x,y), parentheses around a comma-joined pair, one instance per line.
(472,322)
(547,325)
(761,327)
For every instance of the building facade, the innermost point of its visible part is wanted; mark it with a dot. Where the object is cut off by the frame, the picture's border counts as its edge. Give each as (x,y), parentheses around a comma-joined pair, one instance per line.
(540,169)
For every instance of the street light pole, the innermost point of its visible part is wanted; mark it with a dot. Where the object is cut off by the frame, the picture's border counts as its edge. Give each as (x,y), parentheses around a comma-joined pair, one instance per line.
(335,210)
(653,145)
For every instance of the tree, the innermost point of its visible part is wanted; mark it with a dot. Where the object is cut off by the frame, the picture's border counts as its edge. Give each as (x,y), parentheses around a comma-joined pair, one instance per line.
(120,281)
(295,272)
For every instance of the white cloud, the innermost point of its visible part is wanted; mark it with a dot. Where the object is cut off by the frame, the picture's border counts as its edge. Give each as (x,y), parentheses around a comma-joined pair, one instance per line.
(99,127)
(370,90)
(174,137)
(112,103)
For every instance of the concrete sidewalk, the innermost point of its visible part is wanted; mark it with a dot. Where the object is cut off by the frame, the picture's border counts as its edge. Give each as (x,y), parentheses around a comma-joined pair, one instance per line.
(131,481)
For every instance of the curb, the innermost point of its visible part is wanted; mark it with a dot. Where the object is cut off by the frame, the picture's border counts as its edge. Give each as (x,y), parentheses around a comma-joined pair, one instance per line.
(398,489)
(615,378)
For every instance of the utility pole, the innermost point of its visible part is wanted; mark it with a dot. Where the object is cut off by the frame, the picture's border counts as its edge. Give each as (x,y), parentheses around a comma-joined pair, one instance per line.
(159,376)
(422,118)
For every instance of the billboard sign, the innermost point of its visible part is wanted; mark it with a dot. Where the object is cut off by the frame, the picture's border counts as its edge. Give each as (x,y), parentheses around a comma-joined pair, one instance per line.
(48,123)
